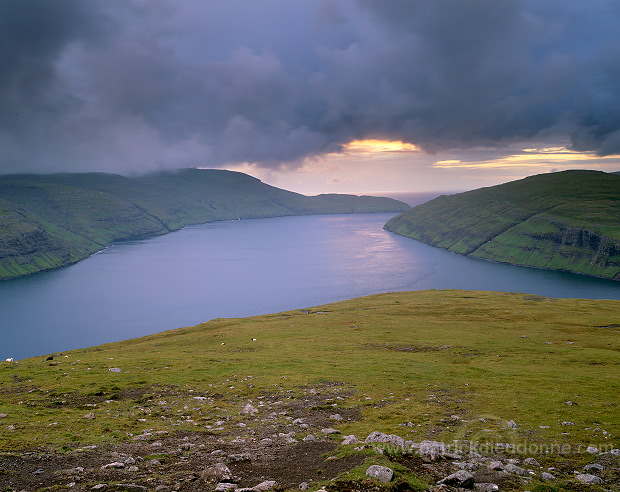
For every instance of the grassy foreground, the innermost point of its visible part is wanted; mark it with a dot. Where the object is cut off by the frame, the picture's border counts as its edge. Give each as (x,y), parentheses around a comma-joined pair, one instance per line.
(417,358)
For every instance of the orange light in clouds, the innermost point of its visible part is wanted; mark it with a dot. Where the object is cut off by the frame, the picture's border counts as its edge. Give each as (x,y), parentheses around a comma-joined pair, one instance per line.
(372,145)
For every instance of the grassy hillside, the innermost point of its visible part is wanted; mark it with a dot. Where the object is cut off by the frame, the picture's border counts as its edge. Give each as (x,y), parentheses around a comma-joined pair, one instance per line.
(562,221)
(449,366)
(47,221)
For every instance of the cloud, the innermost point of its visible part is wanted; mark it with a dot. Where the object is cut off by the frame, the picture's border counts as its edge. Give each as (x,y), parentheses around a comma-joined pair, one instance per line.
(132,85)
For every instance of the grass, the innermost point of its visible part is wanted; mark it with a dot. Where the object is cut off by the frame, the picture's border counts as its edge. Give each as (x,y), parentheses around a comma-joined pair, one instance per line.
(410,362)
(561,221)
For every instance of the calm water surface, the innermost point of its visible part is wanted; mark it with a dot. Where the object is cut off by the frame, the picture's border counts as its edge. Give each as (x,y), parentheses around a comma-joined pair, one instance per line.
(243,268)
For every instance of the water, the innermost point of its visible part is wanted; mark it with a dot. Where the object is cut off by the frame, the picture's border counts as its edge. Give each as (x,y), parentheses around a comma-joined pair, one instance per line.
(243,268)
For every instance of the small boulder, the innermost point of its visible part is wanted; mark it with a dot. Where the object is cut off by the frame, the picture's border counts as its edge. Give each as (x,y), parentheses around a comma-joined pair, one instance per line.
(487,487)
(461,478)
(381,473)
(266,485)
(589,479)
(216,473)
(592,450)
(512,424)
(547,477)
(224,486)
(250,409)
(517,470)
(347,440)
(387,438)
(593,466)
(115,369)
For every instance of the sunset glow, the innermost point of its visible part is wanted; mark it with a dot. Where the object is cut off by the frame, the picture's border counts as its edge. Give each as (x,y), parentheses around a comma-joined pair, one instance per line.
(373,145)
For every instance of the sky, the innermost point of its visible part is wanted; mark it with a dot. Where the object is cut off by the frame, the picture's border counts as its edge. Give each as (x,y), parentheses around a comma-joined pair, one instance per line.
(315,96)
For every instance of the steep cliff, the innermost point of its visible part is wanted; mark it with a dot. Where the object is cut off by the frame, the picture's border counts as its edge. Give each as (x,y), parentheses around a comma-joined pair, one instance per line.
(562,221)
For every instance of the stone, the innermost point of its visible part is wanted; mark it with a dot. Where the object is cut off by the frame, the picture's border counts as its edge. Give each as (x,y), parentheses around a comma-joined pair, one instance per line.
(589,479)
(486,487)
(531,462)
(347,440)
(216,473)
(186,446)
(432,448)
(495,465)
(304,486)
(336,416)
(309,437)
(99,486)
(162,488)
(547,477)
(461,478)
(223,486)
(517,470)
(130,486)
(115,464)
(381,473)
(512,424)
(3,415)
(387,438)
(266,485)
(329,430)
(592,450)
(115,369)
(593,466)
(250,409)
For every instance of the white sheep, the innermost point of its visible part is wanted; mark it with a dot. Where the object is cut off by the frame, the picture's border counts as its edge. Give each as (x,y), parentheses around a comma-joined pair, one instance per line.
(10,359)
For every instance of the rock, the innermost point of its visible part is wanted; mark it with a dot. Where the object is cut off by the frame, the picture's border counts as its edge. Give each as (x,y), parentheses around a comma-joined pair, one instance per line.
(162,488)
(223,486)
(115,464)
(381,473)
(517,470)
(329,430)
(350,440)
(90,416)
(186,446)
(432,448)
(593,466)
(589,479)
(336,416)
(486,487)
(512,424)
(216,473)
(304,486)
(266,442)
(133,468)
(570,403)
(531,462)
(547,477)
(266,485)
(309,437)
(592,450)
(115,369)
(388,438)
(99,486)
(130,486)
(495,465)
(3,415)
(250,409)
(461,478)
(38,471)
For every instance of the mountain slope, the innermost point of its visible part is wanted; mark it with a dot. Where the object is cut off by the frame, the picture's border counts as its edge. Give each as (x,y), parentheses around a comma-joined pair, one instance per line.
(48,221)
(561,221)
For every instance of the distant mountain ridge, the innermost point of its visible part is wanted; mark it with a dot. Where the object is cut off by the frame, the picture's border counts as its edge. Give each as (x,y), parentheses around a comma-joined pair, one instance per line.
(566,221)
(48,221)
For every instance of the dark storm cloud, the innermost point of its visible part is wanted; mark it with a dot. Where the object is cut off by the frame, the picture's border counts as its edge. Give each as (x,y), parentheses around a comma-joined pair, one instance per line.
(136,85)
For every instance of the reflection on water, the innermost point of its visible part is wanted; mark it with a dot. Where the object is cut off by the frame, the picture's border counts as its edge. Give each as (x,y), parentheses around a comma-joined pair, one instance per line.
(242,268)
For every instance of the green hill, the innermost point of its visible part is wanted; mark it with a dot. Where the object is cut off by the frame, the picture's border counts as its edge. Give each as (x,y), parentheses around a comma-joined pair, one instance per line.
(561,221)
(494,376)
(48,221)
